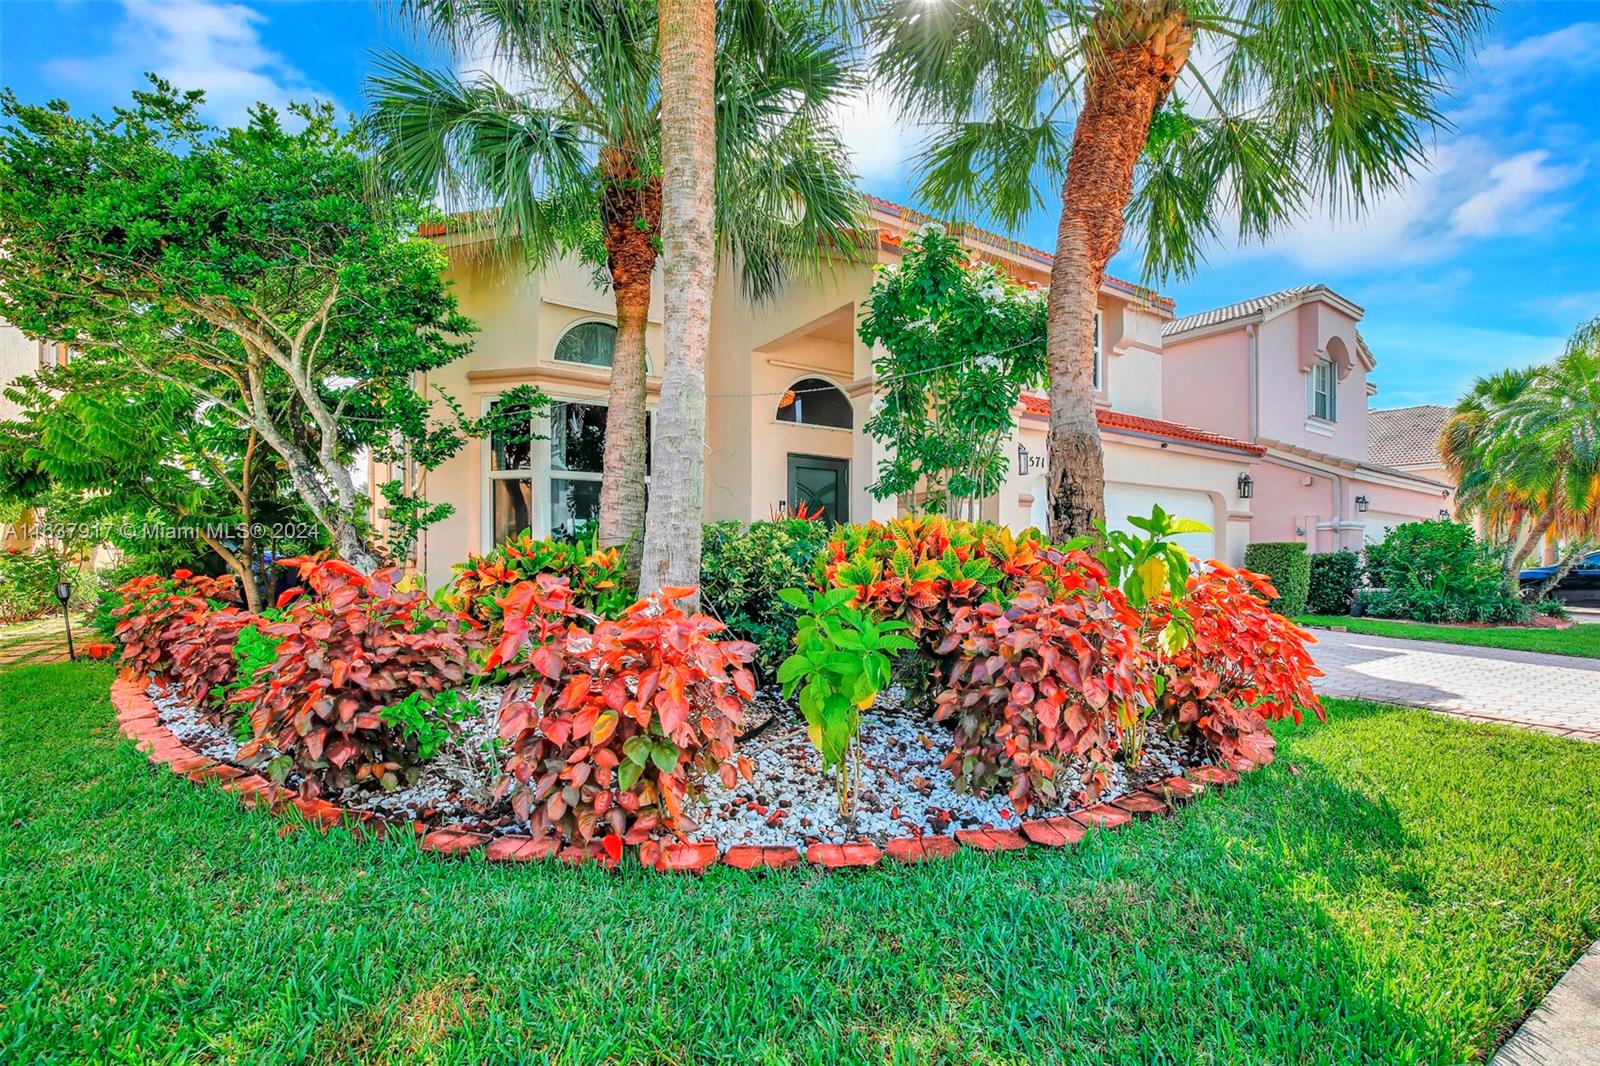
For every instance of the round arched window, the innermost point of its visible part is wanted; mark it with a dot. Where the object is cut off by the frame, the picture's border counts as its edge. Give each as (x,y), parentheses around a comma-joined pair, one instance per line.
(589,343)
(814,402)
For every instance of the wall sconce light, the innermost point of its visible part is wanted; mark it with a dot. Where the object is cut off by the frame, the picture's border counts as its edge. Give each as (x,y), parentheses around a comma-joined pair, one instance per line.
(1022,459)
(1444,513)
(1361,504)
(1247,486)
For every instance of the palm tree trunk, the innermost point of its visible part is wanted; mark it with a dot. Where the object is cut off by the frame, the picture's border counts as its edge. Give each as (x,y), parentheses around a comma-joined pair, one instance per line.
(687,42)
(1126,85)
(1576,551)
(1524,545)
(630,213)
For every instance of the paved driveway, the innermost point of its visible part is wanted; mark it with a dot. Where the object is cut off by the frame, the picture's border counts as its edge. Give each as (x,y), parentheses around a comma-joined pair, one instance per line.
(1553,693)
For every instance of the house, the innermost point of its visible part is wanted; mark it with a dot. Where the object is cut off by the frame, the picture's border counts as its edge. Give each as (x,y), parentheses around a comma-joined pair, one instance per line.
(789,384)
(1291,373)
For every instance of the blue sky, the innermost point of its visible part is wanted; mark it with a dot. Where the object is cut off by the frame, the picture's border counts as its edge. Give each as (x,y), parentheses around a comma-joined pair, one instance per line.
(1488,259)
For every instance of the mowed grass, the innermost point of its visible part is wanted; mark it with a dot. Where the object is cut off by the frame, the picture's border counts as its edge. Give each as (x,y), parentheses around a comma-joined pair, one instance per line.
(1398,887)
(1579,640)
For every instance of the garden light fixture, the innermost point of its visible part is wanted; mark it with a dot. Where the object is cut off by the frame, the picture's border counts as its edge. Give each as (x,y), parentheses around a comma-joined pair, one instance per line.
(64,593)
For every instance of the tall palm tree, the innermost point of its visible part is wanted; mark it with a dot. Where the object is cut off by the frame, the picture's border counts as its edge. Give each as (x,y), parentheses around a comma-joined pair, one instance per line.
(688,230)
(564,155)
(1316,101)
(1524,447)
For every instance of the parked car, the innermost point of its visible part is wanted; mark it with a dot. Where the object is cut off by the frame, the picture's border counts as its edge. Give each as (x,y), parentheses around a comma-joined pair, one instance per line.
(1581,583)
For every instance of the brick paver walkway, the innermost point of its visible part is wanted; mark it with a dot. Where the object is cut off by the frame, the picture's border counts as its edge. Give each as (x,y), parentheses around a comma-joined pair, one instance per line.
(1552,693)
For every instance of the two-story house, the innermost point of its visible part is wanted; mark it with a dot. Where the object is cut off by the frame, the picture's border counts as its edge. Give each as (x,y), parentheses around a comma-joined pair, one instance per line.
(1290,372)
(788,390)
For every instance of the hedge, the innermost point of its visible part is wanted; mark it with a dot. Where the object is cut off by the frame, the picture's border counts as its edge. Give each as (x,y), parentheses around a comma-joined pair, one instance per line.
(1289,567)
(1334,578)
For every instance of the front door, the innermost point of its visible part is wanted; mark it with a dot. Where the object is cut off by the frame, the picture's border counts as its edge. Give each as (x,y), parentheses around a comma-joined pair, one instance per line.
(821,484)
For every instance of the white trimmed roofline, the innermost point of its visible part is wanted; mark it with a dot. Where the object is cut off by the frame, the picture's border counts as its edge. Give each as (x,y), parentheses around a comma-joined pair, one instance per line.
(1371,471)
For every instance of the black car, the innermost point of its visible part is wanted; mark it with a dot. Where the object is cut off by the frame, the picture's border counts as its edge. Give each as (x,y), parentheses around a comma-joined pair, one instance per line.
(1581,583)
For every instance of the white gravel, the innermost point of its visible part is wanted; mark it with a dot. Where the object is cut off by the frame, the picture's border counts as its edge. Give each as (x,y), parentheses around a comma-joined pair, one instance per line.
(791,801)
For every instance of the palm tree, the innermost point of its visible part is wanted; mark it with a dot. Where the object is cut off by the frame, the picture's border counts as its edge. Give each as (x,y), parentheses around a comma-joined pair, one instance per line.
(1524,447)
(565,156)
(1316,101)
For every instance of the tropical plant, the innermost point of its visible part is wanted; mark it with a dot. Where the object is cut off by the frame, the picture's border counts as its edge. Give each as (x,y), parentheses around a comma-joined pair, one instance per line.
(1335,576)
(156,611)
(595,580)
(841,663)
(1438,571)
(743,567)
(350,645)
(602,747)
(1244,665)
(1524,447)
(958,342)
(1287,568)
(1319,101)
(247,266)
(1039,683)
(565,155)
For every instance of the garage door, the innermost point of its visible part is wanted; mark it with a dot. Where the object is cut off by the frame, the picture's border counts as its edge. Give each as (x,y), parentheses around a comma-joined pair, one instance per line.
(1123,501)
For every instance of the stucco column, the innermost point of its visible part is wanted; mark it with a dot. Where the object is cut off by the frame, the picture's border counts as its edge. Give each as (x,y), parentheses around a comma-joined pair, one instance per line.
(866,452)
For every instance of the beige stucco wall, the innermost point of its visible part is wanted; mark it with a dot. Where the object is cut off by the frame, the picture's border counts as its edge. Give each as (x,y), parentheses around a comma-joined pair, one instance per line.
(19,357)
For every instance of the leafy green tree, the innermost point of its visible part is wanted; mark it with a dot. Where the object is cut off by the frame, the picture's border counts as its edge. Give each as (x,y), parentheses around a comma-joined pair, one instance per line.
(1315,102)
(564,156)
(1524,448)
(248,266)
(960,342)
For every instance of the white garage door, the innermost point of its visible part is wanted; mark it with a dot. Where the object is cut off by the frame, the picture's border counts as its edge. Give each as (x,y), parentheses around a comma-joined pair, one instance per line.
(1125,500)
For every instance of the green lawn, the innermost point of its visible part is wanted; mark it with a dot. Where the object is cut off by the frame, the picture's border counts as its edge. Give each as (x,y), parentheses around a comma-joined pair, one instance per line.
(1406,896)
(1579,640)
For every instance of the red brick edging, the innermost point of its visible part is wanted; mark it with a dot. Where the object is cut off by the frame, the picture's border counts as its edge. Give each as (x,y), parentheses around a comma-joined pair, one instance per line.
(136,715)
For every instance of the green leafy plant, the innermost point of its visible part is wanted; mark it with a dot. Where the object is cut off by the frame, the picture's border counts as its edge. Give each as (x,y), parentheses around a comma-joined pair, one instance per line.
(428,720)
(1288,567)
(1334,579)
(1438,571)
(841,663)
(744,566)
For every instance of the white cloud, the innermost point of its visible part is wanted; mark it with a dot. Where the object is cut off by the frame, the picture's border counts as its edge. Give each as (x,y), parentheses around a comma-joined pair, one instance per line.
(198,44)
(881,141)
(1508,202)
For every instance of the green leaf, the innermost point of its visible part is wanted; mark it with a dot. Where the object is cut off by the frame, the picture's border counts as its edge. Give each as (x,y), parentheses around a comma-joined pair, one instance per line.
(664,753)
(628,774)
(795,598)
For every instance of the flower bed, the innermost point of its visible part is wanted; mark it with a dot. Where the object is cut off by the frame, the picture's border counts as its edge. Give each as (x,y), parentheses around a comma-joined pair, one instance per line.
(1049,691)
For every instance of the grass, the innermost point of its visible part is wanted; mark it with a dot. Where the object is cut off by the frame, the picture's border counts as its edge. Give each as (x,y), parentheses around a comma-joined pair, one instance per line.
(1398,887)
(1578,640)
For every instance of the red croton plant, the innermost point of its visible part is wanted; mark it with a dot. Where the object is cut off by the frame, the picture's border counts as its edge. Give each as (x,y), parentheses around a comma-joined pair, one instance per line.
(1041,682)
(602,746)
(163,620)
(1245,665)
(353,647)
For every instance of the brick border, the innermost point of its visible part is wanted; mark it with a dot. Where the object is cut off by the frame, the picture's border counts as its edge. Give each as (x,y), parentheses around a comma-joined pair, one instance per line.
(137,718)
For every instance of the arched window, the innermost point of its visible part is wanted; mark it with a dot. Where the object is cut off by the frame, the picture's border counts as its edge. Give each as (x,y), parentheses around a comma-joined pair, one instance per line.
(589,343)
(814,402)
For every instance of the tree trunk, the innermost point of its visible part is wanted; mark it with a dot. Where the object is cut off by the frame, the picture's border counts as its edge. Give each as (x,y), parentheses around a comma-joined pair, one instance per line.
(687,40)
(1522,546)
(1129,80)
(1577,551)
(630,212)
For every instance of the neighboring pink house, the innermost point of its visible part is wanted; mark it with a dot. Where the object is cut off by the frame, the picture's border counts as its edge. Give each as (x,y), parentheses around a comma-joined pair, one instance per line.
(1289,371)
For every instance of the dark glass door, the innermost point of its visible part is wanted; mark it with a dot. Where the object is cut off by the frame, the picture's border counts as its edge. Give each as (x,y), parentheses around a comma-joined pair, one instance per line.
(822,485)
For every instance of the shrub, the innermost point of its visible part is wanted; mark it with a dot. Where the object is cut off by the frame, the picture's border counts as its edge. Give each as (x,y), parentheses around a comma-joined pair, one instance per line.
(1038,683)
(1437,571)
(1287,567)
(923,570)
(742,570)
(28,584)
(602,746)
(1242,666)
(1334,577)
(593,575)
(156,611)
(1552,608)
(351,648)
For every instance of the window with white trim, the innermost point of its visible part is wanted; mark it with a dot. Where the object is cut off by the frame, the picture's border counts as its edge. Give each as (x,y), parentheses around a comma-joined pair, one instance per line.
(1099,377)
(1322,399)
(551,486)
(588,343)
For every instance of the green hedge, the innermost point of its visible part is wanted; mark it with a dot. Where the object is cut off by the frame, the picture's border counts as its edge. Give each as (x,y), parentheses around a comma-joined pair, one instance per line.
(1334,578)
(742,567)
(1289,567)
(1438,571)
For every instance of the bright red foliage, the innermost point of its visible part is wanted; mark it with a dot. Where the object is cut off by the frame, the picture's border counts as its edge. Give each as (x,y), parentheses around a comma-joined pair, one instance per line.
(1246,666)
(352,647)
(601,748)
(160,615)
(1042,682)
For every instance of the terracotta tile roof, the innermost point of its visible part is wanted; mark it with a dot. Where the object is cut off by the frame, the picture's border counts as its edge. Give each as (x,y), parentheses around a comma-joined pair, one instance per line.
(913,217)
(1406,436)
(1152,427)
(1244,309)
